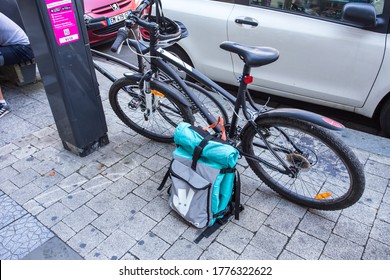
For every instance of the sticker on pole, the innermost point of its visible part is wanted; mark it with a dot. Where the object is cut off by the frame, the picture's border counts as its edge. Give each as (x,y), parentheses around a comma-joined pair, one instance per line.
(63,21)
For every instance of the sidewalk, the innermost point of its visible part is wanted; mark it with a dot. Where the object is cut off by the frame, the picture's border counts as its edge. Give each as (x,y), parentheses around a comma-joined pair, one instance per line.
(55,205)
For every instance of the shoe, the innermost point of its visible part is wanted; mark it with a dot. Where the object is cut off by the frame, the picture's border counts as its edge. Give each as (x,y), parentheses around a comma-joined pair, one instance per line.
(4,109)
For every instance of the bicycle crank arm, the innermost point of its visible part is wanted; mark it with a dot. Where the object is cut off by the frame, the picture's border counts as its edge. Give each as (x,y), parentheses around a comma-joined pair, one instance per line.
(304,116)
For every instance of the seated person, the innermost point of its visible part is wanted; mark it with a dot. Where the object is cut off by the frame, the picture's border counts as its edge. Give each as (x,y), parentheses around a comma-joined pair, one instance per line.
(14,48)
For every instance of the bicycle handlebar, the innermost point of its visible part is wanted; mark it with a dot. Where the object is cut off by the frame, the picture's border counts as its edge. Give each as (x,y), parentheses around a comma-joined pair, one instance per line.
(131,21)
(135,20)
(95,22)
(120,38)
(144,4)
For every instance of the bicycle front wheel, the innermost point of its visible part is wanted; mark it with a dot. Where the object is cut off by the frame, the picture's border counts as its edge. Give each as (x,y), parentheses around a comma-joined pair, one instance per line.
(159,124)
(324,173)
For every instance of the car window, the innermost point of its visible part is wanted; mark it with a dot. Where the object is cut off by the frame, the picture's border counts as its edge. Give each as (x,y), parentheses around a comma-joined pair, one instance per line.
(321,8)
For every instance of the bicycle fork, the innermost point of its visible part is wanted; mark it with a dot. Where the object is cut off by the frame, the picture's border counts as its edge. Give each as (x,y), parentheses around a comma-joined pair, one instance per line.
(147,92)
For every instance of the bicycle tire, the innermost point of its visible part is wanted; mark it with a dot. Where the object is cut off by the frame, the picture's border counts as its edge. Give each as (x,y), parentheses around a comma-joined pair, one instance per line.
(209,99)
(128,104)
(329,175)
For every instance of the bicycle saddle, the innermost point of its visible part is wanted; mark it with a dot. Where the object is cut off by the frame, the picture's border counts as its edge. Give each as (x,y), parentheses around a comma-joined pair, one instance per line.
(252,56)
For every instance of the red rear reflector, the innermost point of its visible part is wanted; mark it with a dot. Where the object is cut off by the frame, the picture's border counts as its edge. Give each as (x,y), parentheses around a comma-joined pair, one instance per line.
(333,123)
(248,79)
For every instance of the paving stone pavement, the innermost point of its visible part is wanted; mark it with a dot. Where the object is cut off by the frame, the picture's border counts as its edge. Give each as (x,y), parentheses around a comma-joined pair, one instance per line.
(55,205)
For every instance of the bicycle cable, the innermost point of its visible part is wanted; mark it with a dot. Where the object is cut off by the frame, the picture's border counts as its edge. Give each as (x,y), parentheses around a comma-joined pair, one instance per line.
(252,103)
(139,46)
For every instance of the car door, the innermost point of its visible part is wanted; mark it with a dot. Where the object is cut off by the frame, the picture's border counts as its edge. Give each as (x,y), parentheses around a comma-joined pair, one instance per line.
(322,59)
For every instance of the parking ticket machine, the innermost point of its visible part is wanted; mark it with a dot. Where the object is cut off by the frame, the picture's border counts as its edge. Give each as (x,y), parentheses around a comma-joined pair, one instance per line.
(60,43)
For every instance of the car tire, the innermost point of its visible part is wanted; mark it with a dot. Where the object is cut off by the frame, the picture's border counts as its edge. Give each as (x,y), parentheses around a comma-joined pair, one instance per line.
(384,118)
(180,53)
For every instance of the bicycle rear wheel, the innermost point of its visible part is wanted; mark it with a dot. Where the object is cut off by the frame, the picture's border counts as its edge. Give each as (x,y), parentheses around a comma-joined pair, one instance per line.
(128,103)
(327,174)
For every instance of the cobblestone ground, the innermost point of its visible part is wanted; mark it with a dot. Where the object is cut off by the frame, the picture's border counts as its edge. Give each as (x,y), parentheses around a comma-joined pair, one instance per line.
(106,205)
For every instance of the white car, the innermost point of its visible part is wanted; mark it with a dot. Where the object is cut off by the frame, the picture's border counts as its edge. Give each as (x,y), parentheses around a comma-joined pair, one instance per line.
(325,59)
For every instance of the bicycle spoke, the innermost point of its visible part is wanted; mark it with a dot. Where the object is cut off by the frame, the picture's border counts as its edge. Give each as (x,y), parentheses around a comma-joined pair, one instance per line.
(157,122)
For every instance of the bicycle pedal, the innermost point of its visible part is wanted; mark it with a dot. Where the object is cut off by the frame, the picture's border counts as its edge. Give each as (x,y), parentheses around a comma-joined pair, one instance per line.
(134,103)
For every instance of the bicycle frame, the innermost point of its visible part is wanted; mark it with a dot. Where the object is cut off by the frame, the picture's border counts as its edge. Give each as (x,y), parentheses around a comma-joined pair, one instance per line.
(195,74)
(238,102)
(160,59)
(108,57)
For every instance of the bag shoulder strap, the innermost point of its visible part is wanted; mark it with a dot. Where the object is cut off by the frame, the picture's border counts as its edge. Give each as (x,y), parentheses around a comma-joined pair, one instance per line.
(199,149)
(237,196)
(234,208)
(164,180)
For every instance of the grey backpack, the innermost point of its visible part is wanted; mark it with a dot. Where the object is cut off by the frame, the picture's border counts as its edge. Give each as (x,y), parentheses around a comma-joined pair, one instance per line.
(205,185)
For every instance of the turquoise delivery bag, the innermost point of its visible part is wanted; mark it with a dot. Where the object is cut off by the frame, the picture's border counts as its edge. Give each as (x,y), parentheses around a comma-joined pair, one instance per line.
(203,176)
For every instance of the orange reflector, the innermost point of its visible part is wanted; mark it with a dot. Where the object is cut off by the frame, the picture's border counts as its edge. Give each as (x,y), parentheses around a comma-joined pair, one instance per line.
(155,92)
(323,195)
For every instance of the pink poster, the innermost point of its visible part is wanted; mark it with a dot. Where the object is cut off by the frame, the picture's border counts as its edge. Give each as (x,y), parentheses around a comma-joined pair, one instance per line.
(63,20)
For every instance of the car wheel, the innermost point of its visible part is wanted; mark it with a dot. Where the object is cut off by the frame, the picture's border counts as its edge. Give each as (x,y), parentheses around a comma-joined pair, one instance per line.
(385,118)
(180,53)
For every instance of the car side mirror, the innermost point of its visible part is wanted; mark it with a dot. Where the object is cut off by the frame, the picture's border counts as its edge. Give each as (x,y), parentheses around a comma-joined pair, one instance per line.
(361,14)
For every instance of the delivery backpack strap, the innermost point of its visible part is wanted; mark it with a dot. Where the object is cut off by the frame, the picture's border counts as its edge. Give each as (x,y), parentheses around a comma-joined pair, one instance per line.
(234,208)
(199,149)
(164,180)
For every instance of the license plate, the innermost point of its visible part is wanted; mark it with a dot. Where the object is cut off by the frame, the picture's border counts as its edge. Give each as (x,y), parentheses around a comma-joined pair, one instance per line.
(117,18)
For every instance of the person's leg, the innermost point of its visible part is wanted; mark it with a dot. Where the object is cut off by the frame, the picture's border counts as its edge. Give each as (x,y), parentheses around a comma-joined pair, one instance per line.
(2,62)
(3,103)
(4,51)
(4,107)
(11,55)
(14,54)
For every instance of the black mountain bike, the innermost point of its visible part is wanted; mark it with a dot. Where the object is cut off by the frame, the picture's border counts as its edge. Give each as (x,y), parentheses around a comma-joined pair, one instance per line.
(292,151)
(157,123)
